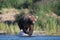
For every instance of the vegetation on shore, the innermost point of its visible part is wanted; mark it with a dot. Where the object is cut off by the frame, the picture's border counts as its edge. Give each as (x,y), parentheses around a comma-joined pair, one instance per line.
(48,15)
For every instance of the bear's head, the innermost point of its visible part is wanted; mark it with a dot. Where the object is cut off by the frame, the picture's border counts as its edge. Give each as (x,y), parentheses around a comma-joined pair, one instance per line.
(33,18)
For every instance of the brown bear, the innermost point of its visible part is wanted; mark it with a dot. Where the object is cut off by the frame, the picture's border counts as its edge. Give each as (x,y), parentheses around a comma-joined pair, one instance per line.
(26,23)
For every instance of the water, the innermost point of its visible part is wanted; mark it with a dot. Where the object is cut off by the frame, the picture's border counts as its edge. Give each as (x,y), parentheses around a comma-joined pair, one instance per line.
(22,36)
(15,37)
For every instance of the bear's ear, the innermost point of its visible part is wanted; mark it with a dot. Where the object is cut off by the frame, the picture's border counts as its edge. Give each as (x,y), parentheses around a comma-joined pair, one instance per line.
(37,17)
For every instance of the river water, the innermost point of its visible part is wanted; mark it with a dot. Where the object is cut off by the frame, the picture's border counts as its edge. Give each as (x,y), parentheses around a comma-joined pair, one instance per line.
(35,36)
(15,37)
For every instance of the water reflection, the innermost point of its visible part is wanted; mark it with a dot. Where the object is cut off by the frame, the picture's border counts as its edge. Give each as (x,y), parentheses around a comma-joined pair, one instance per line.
(34,34)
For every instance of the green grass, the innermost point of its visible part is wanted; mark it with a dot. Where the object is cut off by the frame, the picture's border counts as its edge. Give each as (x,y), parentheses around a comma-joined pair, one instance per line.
(46,21)
(13,29)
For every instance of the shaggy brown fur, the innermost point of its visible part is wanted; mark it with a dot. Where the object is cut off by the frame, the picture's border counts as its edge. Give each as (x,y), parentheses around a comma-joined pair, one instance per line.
(26,23)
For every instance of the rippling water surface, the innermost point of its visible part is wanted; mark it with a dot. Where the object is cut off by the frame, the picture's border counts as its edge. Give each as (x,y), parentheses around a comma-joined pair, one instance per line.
(22,36)
(15,37)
